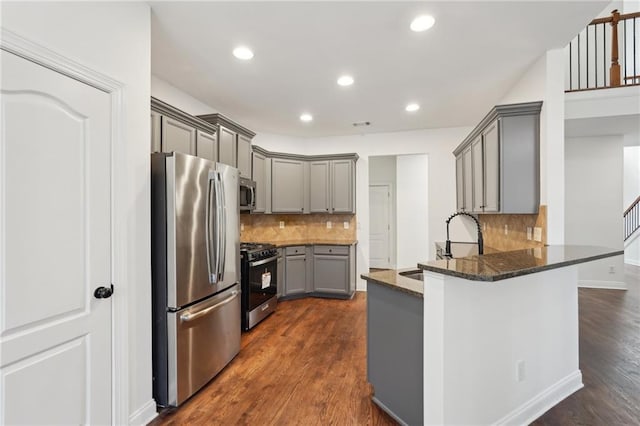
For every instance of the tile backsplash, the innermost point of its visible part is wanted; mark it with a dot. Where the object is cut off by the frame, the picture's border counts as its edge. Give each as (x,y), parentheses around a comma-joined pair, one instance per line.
(258,227)
(493,229)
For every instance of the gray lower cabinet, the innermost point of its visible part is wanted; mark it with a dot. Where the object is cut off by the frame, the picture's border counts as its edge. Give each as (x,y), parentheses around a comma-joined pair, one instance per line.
(207,145)
(244,156)
(498,164)
(280,274)
(331,270)
(177,136)
(287,186)
(295,274)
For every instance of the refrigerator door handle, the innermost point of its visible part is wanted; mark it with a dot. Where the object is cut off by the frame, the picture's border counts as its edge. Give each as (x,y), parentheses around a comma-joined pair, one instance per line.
(210,230)
(194,316)
(222,229)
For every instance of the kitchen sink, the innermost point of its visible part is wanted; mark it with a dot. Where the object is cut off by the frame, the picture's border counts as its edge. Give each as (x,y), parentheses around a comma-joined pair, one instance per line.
(416,275)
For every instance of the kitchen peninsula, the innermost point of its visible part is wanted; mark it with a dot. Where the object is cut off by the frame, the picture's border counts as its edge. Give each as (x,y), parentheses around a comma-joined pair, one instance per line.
(499,334)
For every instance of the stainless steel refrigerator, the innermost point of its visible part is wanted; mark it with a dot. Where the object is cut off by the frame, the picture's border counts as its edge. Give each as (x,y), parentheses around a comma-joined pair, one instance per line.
(195,225)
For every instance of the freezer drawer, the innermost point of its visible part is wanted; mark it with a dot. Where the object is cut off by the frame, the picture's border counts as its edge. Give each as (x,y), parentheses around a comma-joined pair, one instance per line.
(202,340)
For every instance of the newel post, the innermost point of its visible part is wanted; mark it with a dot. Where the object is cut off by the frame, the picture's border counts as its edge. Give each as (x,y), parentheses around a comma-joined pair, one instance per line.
(614,71)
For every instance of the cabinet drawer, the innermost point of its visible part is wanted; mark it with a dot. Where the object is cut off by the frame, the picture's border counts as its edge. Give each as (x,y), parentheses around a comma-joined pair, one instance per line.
(294,250)
(337,250)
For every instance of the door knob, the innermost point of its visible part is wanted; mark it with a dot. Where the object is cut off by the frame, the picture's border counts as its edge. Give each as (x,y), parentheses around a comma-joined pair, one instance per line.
(103,292)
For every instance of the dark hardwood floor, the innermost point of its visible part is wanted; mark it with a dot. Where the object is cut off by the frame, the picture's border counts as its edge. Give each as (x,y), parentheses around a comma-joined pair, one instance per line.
(609,359)
(306,364)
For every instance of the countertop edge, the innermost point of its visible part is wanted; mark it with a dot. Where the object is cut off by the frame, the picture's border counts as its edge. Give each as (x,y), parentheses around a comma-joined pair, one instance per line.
(393,286)
(516,273)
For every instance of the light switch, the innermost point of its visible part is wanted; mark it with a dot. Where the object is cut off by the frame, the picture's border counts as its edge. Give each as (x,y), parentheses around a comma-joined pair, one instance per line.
(242,226)
(329,224)
(282,224)
(529,233)
(346,225)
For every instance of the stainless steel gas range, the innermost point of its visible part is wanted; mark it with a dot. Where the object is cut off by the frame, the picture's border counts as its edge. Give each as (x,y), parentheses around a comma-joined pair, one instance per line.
(259,275)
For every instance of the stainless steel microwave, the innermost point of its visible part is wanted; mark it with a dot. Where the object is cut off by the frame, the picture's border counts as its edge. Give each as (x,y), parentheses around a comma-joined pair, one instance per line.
(247,195)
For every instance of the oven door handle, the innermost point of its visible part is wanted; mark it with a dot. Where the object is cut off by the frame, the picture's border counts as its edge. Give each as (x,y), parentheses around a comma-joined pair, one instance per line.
(263,261)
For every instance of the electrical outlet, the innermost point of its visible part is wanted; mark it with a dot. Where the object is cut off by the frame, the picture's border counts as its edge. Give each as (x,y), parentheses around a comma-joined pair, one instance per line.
(537,234)
(506,229)
(346,225)
(520,371)
(529,233)
(484,227)
(612,269)
(282,224)
(329,224)
(242,226)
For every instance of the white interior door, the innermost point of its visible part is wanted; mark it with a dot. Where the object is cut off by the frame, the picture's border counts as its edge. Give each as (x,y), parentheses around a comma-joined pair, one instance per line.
(55,214)
(379,226)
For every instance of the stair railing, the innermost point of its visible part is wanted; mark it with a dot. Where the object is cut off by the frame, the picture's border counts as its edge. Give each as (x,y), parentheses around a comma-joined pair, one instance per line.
(631,219)
(597,46)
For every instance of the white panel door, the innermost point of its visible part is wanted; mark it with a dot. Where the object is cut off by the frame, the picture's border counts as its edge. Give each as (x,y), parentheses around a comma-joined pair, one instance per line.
(379,226)
(55,336)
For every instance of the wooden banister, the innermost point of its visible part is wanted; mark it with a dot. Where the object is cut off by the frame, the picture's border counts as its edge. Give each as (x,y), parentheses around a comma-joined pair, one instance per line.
(637,200)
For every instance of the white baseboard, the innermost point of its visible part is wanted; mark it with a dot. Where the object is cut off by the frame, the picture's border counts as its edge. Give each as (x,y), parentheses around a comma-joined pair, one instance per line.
(144,414)
(632,262)
(541,403)
(611,285)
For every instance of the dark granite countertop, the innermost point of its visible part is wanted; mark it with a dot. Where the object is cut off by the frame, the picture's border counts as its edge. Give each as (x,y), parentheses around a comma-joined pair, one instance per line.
(509,264)
(392,278)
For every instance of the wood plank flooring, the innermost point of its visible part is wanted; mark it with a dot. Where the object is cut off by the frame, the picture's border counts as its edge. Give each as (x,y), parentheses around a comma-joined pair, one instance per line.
(609,359)
(306,364)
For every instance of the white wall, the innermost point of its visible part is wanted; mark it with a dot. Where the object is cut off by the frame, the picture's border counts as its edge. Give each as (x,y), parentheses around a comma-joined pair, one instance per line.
(544,81)
(630,193)
(593,199)
(114,39)
(382,170)
(170,94)
(413,210)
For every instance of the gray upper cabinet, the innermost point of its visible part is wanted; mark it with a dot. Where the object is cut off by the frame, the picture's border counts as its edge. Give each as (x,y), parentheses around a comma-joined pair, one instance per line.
(244,156)
(259,175)
(342,186)
(287,185)
(207,145)
(319,201)
(500,162)
(178,136)
(227,147)
(331,186)
(156,143)
(234,142)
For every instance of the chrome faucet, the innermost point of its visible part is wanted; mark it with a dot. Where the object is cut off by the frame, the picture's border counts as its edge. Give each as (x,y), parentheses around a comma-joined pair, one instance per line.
(447,247)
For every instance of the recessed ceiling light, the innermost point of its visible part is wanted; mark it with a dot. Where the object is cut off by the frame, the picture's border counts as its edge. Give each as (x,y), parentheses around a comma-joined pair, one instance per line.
(243,52)
(422,23)
(412,107)
(306,117)
(345,80)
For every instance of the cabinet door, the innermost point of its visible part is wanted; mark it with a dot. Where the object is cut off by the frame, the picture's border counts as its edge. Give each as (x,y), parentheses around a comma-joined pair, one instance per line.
(491,168)
(206,146)
(478,175)
(342,186)
(295,271)
(459,183)
(259,175)
(467,173)
(280,275)
(319,187)
(227,147)
(244,156)
(156,144)
(178,137)
(331,274)
(287,186)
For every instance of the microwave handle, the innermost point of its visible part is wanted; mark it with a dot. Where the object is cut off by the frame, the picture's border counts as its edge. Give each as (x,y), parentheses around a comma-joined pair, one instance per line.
(253,197)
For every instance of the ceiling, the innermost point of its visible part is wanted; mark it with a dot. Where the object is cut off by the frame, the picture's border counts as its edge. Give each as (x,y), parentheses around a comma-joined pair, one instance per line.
(456,71)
